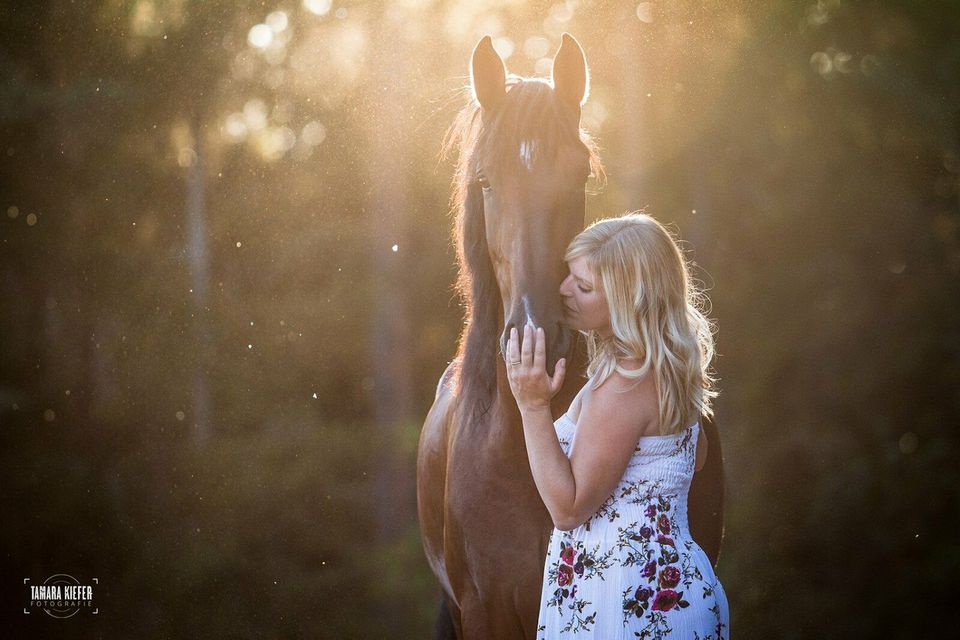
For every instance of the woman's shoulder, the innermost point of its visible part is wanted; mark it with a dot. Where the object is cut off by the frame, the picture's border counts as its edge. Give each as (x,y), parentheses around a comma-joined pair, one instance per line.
(632,397)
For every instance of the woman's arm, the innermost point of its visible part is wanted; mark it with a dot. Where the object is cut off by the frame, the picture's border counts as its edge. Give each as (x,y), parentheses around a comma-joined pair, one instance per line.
(612,418)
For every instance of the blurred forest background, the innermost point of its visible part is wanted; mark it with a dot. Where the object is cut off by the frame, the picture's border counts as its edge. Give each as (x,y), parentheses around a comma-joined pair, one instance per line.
(227,295)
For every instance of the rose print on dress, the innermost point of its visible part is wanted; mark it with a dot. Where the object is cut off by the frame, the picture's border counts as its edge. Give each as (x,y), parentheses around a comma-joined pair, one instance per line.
(575,563)
(638,537)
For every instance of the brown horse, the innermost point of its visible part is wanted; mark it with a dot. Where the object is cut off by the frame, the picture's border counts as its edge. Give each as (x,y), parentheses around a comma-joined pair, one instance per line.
(519,200)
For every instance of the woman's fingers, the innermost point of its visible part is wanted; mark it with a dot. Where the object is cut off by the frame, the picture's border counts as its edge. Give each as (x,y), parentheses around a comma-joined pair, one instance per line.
(526,349)
(558,372)
(539,351)
(513,352)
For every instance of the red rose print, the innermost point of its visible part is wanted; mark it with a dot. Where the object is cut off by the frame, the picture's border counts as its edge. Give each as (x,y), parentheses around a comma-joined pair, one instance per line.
(663,523)
(665,600)
(662,539)
(568,554)
(669,577)
(564,575)
(643,594)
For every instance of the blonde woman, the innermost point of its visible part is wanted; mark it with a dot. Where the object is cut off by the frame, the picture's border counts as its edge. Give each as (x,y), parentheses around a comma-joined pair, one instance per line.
(615,470)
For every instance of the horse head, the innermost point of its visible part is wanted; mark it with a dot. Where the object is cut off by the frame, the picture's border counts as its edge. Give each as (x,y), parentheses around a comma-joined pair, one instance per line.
(528,170)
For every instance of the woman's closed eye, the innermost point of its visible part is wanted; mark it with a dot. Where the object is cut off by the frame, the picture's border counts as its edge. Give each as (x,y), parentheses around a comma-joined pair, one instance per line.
(584,290)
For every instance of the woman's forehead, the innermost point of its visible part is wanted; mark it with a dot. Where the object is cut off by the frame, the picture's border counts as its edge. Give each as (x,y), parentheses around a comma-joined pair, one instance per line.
(580,268)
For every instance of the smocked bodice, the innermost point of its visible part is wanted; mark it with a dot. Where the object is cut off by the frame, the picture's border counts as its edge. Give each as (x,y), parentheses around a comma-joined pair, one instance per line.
(661,466)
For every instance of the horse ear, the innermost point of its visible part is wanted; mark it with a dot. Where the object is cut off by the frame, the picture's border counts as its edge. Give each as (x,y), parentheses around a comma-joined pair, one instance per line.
(488,77)
(571,81)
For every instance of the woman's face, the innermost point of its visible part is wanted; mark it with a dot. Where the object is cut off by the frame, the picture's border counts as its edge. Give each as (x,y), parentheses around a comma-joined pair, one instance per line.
(585,306)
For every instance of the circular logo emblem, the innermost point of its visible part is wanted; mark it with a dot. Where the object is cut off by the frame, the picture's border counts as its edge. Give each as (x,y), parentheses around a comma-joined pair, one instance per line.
(62,608)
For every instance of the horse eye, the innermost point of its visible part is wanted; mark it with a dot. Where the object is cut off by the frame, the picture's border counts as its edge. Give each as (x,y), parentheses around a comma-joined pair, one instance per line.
(483,183)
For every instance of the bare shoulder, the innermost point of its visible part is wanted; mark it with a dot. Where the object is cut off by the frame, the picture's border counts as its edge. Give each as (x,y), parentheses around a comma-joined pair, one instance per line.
(626,400)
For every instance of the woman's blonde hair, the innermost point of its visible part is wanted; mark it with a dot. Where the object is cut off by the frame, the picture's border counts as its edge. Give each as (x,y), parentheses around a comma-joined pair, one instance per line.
(655,313)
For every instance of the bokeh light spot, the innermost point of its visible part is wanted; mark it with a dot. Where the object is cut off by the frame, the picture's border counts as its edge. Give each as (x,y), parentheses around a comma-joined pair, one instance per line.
(908,443)
(235,127)
(260,36)
(313,133)
(536,47)
(821,63)
(278,21)
(645,12)
(255,114)
(504,46)
(318,7)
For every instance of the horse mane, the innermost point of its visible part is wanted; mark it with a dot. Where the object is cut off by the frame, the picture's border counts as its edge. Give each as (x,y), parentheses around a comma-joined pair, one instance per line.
(529,112)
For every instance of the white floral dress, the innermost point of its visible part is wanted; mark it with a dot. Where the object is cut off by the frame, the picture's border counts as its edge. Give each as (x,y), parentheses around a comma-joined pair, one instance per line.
(633,570)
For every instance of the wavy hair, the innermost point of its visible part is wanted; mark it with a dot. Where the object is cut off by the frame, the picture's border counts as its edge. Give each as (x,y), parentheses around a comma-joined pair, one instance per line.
(656,313)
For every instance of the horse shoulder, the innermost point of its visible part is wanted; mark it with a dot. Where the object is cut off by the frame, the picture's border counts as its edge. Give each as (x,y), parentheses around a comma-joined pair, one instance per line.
(445,380)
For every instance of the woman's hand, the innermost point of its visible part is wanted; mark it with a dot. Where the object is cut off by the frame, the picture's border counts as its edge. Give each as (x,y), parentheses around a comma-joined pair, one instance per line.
(527,370)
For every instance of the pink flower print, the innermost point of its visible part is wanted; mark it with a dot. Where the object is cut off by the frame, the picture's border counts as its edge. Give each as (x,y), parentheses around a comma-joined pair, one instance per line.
(662,539)
(669,577)
(665,600)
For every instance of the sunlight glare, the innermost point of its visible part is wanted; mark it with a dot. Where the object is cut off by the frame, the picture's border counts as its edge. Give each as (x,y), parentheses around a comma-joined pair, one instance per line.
(277,21)
(645,12)
(143,19)
(318,7)
(594,113)
(255,114)
(561,12)
(313,133)
(235,127)
(536,47)
(260,36)
(504,46)
(821,63)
